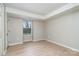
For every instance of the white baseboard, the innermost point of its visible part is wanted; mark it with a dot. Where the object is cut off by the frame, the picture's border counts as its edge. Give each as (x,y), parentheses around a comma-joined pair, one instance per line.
(15,43)
(63,45)
(27,40)
(38,39)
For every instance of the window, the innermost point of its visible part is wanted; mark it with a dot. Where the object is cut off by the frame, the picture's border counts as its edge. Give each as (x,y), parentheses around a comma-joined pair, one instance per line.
(27,26)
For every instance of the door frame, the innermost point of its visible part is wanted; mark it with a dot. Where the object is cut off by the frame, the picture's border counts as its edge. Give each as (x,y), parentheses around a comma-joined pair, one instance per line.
(3,32)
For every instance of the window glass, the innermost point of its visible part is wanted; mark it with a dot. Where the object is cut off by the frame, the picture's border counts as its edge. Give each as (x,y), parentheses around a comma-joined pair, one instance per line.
(27,26)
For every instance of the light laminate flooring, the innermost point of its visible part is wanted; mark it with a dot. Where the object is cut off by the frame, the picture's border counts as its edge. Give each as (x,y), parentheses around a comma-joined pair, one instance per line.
(40,48)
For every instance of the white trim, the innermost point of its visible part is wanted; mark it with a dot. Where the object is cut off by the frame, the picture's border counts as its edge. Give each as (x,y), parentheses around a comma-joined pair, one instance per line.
(63,45)
(15,43)
(38,39)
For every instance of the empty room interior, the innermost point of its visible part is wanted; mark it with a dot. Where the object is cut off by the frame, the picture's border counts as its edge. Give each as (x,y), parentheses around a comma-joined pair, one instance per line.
(39,29)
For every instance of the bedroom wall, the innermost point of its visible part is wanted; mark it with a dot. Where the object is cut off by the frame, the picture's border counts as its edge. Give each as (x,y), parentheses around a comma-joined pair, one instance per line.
(64,29)
(38,30)
(15,35)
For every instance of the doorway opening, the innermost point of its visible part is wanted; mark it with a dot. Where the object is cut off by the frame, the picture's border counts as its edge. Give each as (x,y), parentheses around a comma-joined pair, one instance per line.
(27,30)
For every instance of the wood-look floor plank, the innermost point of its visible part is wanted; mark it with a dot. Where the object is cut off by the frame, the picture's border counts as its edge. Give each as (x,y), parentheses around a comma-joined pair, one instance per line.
(40,48)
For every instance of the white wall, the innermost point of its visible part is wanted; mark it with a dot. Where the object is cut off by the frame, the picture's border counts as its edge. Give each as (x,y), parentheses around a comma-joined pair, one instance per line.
(16,36)
(1,37)
(64,29)
(38,30)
